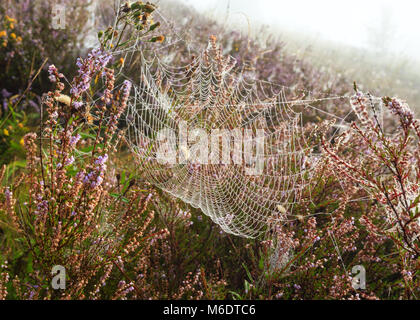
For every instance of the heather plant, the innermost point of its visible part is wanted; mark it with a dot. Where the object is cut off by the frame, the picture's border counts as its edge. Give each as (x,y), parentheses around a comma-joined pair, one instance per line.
(385,164)
(71,213)
(67,209)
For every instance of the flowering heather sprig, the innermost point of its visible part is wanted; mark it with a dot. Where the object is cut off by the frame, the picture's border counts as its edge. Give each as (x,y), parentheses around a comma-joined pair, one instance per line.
(4,279)
(55,76)
(96,61)
(70,199)
(386,166)
(401,109)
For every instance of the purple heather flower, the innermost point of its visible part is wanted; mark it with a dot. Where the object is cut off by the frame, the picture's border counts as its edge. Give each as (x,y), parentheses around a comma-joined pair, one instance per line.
(69,161)
(6,94)
(54,75)
(102,159)
(77,104)
(8,194)
(96,61)
(75,139)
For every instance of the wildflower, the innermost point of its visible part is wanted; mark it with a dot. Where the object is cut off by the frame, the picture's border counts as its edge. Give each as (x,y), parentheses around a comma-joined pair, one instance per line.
(74,140)
(6,132)
(96,60)
(13,35)
(3,34)
(126,90)
(10,19)
(12,26)
(20,125)
(4,44)
(22,142)
(77,104)
(121,61)
(102,160)
(19,39)
(69,161)
(6,94)
(54,75)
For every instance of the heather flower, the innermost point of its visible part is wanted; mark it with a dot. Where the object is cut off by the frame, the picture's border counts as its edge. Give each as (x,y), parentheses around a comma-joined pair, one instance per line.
(74,140)
(96,60)
(54,75)
(69,161)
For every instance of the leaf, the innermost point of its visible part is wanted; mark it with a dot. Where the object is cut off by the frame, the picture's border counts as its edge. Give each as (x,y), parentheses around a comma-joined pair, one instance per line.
(247,272)
(235,295)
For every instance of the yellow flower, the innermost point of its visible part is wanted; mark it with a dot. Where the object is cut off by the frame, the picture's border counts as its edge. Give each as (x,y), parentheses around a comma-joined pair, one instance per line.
(13,36)
(4,43)
(3,33)
(12,26)
(6,132)
(10,19)
(121,60)
(20,125)
(22,142)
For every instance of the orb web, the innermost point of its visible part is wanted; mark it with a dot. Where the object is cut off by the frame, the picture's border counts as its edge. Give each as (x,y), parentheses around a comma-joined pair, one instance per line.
(225,103)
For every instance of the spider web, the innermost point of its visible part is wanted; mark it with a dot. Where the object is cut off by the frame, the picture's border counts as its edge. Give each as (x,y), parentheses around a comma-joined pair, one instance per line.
(211,94)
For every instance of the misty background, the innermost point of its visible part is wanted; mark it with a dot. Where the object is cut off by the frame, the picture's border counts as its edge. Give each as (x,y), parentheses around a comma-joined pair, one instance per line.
(384,26)
(375,43)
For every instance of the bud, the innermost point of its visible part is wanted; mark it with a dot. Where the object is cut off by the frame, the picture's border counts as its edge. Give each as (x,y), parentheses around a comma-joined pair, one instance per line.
(157,39)
(149,8)
(154,26)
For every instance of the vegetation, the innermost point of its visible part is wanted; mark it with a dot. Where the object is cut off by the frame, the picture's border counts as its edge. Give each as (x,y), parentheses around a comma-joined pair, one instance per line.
(71,195)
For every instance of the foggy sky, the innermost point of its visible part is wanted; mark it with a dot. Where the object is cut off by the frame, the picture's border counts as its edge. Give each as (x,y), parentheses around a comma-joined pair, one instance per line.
(356,22)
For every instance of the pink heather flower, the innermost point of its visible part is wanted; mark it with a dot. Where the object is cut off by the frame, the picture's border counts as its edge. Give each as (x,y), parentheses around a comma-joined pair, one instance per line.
(54,76)
(126,90)
(401,109)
